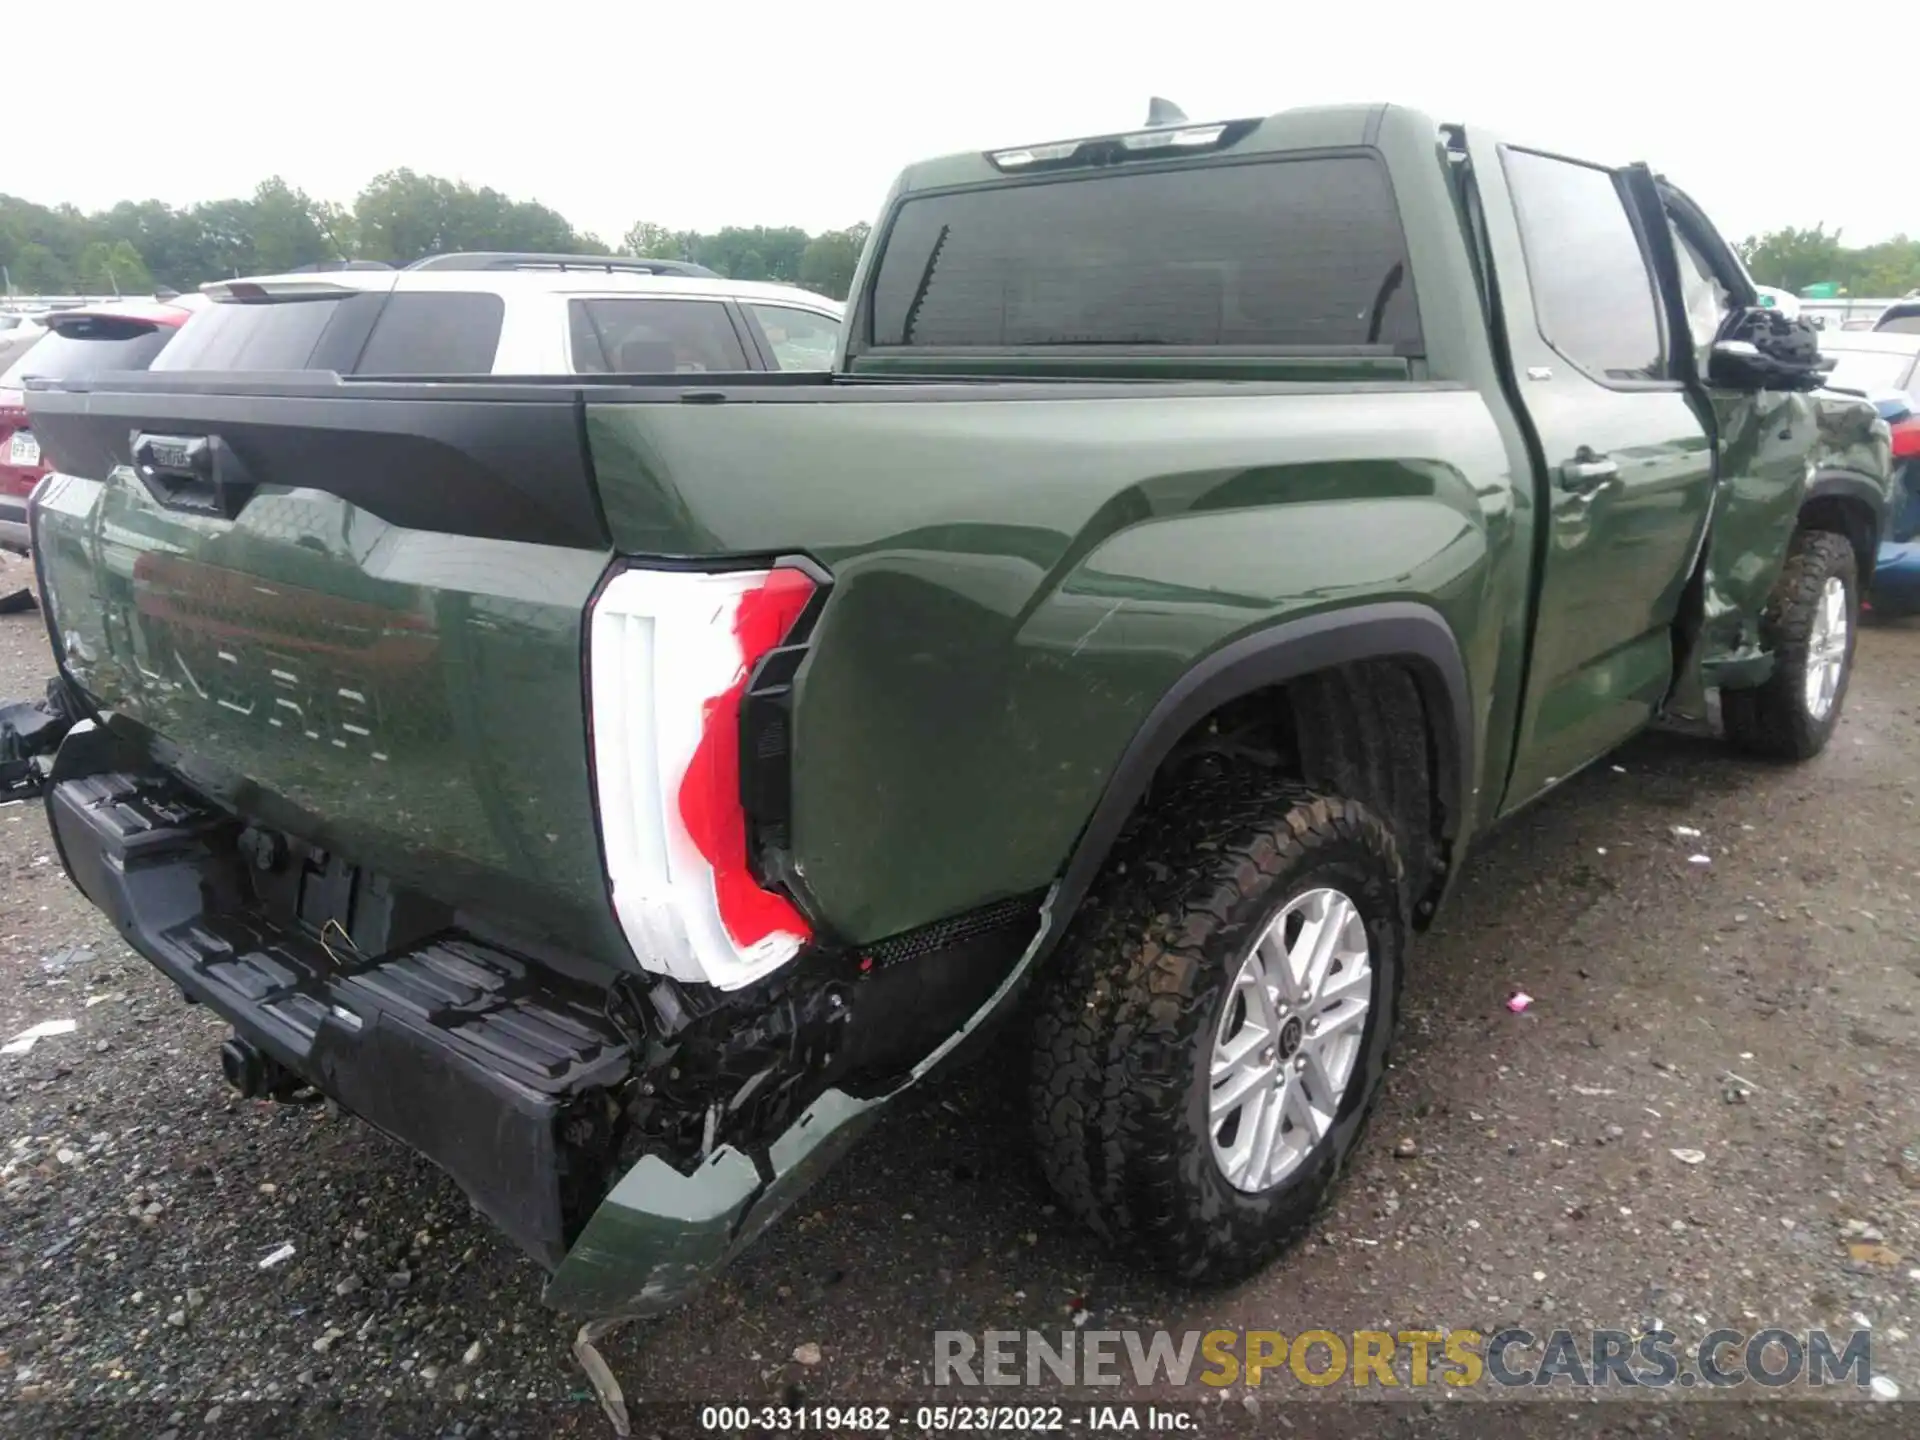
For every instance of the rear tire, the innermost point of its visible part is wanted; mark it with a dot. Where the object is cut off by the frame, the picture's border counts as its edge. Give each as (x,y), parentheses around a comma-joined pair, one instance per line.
(1139,1128)
(1810,625)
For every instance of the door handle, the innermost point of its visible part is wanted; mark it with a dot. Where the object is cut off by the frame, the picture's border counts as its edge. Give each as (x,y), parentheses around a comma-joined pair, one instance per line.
(1587,472)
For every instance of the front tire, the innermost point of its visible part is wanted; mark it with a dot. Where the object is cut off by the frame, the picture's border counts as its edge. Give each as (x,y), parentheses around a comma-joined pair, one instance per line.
(1810,625)
(1215,1031)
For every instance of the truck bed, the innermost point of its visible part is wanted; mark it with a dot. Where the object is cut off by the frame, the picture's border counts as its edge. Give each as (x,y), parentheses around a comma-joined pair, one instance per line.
(368,630)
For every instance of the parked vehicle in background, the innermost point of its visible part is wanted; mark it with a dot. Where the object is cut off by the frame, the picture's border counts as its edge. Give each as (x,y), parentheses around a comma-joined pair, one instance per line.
(20,325)
(1842,314)
(1868,362)
(123,335)
(1903,317)
(509,314)
(1884,365)
(619,788)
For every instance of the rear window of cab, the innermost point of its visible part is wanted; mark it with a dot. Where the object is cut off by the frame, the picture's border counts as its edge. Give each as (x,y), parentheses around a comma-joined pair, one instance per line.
(1301,253)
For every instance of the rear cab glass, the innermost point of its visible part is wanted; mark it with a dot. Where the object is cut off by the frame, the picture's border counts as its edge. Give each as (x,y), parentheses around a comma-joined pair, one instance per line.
(1302,253)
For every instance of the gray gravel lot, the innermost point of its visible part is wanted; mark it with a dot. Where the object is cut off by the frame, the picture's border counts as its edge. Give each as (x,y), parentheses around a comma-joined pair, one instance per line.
(1759,1009)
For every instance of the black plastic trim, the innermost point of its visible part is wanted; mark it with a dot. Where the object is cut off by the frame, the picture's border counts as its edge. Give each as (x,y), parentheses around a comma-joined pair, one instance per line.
(1388,630)
(468,1053)
(1854,491)
(466,466)
(1849,485)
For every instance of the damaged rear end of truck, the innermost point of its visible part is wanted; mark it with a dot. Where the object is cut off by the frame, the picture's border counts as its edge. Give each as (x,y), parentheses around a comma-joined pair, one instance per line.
(618,789)
(459,818)
(443,738)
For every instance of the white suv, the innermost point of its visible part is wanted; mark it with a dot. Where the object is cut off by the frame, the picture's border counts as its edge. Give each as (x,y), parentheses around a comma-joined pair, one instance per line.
(508,314)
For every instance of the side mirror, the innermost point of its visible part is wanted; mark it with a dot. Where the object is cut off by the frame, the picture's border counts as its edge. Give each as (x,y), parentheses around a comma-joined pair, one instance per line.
(1761,349)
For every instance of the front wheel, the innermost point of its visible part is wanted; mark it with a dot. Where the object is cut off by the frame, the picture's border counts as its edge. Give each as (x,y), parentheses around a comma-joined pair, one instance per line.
(1810,625)
(1209,1042)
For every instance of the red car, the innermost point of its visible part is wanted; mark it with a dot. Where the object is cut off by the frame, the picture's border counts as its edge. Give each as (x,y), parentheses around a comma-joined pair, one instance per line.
(123,335)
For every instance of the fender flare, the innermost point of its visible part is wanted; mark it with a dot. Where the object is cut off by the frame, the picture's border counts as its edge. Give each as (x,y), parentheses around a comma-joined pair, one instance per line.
(1387,630)
(1850,488)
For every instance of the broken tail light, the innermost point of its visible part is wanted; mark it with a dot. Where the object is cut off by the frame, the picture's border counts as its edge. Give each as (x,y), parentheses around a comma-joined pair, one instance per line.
(673,654)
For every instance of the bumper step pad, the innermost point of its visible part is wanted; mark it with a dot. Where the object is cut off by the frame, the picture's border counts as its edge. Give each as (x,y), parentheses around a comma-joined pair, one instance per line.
(461,1050)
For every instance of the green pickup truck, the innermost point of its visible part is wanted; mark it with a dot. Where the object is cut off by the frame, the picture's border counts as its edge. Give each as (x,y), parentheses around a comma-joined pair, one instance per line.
(619,787)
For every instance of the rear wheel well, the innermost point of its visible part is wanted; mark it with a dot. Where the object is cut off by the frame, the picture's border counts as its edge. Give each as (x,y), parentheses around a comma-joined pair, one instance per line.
(1847,516)
(1372,731)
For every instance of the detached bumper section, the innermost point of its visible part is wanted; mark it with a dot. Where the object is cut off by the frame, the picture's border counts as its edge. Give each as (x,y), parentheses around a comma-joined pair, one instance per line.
(470,1055)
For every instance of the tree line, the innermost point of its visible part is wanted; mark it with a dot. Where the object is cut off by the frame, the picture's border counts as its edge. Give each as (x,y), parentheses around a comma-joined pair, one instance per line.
(399,217)
(1792,259)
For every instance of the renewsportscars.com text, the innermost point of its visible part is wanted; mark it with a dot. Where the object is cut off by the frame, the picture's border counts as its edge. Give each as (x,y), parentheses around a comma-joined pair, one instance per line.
(1414,1359)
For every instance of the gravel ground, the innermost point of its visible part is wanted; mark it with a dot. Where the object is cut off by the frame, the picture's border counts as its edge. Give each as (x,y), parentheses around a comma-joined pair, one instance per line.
(1758,1009)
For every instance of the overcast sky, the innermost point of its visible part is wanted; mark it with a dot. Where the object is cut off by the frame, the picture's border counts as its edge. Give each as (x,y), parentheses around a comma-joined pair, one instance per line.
(735,112)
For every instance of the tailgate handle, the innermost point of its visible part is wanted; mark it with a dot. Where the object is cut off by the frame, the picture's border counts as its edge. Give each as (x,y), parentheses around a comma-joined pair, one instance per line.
(199,474)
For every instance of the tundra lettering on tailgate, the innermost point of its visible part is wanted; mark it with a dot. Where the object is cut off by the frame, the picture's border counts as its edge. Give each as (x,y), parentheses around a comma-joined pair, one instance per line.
(291,658)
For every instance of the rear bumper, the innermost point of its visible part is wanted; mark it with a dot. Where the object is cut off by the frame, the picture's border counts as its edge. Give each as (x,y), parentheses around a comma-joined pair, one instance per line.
(486,1064)
(464,1052)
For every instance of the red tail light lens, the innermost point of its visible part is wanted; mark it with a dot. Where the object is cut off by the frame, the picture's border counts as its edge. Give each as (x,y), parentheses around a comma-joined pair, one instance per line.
(672,653)
(710,790)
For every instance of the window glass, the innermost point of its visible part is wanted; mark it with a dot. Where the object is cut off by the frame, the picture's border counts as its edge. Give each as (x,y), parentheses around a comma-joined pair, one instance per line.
(81,351)
(1592,290)
(1901,319)
(645,336)
(799,339)
(1280,253)
(1705,298)
(251,335)
(431,332)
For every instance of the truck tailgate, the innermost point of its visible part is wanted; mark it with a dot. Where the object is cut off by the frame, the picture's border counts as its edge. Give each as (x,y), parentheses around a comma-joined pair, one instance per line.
(361,624)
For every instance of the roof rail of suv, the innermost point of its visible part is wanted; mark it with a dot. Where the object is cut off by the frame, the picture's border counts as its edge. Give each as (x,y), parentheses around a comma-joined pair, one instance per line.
(527,260)
(322,266)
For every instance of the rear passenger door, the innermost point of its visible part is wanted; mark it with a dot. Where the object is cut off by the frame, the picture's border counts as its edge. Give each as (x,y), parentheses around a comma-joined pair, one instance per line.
(1628,467)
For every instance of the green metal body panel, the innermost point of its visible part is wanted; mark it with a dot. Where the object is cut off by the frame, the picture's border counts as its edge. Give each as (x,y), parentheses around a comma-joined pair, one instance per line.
(408,698)
(1017,583)
(1772,446)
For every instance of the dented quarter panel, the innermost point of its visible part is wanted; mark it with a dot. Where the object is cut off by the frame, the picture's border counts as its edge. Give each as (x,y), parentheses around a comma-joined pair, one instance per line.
(1773,446)
(1766,448)
(977,668)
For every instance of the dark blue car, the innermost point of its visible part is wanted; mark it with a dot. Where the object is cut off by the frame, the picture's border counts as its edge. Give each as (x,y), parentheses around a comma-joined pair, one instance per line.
(1884,365)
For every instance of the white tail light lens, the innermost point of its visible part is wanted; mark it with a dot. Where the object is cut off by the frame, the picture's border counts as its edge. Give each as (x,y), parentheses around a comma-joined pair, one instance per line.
(671,653)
